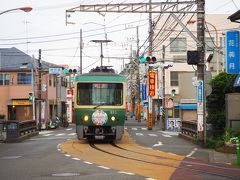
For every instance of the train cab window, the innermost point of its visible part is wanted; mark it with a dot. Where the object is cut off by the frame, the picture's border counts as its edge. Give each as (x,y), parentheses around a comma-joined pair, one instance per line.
(100,93)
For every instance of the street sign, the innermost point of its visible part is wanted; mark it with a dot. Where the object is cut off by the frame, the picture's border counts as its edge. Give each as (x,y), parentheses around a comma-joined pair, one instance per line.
(55,70)
(232,54)
(200,91)
(144,92)
(237,81)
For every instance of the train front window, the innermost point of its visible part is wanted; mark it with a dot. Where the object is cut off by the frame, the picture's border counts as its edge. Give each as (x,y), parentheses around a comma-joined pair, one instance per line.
(100,94)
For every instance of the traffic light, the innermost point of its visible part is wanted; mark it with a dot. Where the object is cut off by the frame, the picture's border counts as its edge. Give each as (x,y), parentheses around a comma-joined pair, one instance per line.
(173,94)
(148,59)
(69,71)
(30,98)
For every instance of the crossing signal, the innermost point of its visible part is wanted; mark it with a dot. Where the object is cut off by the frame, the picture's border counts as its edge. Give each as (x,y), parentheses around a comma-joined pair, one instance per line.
(69,71)
(148,59)
(173,94)
(30,98)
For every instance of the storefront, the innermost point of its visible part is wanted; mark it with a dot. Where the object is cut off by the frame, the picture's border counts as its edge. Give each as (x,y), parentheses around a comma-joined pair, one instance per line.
(20,109)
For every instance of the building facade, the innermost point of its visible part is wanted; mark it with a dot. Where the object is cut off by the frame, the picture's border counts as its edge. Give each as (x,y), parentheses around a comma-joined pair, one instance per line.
(27,92)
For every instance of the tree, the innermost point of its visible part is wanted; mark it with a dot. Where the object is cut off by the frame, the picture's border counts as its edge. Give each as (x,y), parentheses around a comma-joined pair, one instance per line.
(221,85)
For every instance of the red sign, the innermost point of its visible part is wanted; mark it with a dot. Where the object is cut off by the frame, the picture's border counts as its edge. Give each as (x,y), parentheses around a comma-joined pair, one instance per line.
(70,91)
(152,85)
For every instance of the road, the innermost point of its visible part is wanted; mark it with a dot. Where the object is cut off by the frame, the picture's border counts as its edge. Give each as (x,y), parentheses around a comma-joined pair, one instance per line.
(142,154)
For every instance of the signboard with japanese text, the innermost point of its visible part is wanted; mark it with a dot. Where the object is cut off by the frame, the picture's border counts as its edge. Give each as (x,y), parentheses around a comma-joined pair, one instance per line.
(232,53)
(55,70)
(151,83)
(200,91)
(144,92)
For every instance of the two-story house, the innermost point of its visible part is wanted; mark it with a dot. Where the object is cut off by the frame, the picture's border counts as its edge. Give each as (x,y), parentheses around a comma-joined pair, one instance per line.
(27,92)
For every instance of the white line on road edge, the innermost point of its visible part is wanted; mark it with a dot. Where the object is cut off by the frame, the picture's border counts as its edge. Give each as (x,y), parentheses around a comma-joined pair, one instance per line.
(159,144)
(165,135)
(103,167)
(139,134)
(86,162)
(192,152)
(122,172)
(77,159)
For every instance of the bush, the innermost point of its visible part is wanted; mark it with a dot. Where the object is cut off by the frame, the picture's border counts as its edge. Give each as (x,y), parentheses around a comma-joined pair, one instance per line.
(214,142)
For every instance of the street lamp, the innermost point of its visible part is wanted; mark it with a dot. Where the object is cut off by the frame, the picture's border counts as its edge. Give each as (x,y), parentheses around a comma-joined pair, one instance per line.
(25,9)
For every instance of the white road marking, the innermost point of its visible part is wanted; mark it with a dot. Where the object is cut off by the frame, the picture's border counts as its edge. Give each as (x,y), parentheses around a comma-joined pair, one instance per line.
(144,128)
(192,152)
(86,162)
(103,167)
(153,135)
(67,155)
(122,172)
(69,129)
(139,134)
(150,179)
(77,159)
(165,135)
(61,134)
(135,129)
(45,132)
(159,144)
(71,134)
(46,135)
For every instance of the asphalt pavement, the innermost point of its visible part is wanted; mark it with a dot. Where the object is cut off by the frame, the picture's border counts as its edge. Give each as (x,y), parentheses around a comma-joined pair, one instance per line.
(181,146)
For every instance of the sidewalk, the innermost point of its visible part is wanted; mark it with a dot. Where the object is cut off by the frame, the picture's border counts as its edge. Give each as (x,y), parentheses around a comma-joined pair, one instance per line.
(213,155)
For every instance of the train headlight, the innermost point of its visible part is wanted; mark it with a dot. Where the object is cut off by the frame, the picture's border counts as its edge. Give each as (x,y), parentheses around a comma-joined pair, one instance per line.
(86,117)
(113,118)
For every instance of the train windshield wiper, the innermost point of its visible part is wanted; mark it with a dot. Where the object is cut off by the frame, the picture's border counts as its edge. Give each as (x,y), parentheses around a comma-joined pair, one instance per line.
(98,106)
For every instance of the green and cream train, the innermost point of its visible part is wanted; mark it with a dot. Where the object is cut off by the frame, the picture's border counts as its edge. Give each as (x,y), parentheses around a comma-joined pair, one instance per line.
(100,104)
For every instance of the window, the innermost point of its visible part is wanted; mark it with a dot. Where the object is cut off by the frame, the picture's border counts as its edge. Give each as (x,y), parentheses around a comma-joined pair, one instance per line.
(178,45)
(4,79)
(209,43)
(174,78)
(24,78)
(50,81)
(100,94)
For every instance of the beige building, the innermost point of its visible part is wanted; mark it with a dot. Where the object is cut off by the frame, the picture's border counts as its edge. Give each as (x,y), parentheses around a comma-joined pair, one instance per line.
(180,77)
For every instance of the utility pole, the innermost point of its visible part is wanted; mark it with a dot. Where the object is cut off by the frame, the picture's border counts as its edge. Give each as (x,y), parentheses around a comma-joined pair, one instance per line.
(138,117)
(164,95)
(201,124)
(150,109)
(81,47)
(39,89)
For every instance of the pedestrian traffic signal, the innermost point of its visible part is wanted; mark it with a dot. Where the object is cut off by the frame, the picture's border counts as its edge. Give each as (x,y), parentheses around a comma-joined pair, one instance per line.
(148,59)
(30,98)
(173,94)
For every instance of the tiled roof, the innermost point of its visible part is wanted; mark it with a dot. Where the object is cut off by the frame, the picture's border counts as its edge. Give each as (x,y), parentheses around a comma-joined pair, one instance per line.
(13,59)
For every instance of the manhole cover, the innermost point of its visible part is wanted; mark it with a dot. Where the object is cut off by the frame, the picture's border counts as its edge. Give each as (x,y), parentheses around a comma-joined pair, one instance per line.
(65,174)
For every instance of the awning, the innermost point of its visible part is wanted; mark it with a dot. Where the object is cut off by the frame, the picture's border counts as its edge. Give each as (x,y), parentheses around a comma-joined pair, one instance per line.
(187,106)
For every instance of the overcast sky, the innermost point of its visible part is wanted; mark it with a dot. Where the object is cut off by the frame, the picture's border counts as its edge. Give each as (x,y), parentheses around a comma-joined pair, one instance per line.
(44,28)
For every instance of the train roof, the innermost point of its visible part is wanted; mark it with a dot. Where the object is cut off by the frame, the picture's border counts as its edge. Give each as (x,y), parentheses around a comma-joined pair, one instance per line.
(101,74)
